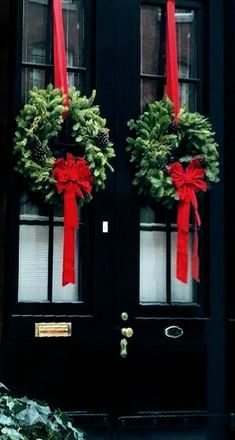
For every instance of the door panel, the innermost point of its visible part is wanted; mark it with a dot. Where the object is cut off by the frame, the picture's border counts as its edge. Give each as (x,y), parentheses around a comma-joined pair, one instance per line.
(171,383)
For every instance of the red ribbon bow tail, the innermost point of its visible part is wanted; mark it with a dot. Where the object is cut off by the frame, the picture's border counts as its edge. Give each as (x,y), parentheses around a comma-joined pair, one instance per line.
(182,241)
(68,275)
(71,223)
(195,256)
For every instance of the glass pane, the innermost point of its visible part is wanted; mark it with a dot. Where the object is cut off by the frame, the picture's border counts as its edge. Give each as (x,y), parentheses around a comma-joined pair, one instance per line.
(147,215)
(69,292)
(33,263)
(151,90)
(180,292)
(153,37)
(152,40)
(30,211)
(76,80)
(152,266)
(186,42)
(32,78)
(37,33)
(188,96)
(73,15)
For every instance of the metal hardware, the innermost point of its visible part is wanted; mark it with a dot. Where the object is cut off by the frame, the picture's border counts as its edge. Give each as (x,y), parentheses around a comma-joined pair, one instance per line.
(124,316)
(127,332)
(123,348)
(173,332)
(53,329)
(105,227)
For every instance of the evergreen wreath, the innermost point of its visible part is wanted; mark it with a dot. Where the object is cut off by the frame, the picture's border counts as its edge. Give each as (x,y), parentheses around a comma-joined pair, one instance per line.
(38,126)
(159,140)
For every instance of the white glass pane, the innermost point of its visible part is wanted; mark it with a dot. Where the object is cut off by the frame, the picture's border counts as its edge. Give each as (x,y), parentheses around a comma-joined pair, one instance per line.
(152,266)
(180,292)
(33,263)
(70,292)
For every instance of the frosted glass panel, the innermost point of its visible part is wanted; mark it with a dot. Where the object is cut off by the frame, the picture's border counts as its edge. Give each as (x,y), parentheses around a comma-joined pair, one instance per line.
(180,292)
(33,263)
(59,293)
(152,266)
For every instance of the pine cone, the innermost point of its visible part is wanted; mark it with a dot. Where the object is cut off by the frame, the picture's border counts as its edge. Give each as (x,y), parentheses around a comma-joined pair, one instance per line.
(102,139)
(38,153)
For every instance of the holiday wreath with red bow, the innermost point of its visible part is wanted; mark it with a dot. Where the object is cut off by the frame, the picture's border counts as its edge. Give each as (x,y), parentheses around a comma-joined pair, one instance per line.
(53,168)
(173,160)
(38,148)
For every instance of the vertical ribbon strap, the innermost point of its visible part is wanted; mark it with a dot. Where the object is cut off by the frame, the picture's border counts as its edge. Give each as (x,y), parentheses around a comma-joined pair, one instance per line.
(172,81)
(60,69)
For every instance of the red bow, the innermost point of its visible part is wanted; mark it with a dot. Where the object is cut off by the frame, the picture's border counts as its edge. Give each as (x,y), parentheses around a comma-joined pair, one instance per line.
(74,179)
(187,183)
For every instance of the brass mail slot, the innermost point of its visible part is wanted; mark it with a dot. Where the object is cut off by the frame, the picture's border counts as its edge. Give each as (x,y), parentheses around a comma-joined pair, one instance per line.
(53,329)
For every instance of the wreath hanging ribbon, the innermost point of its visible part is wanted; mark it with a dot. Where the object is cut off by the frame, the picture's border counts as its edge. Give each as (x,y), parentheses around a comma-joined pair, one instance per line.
(172,80)
(73,176)
(187,183)
(60,65)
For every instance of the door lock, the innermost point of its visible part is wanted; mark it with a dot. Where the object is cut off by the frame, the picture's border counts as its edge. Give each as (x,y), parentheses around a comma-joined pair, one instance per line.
(127,332)
(124,316)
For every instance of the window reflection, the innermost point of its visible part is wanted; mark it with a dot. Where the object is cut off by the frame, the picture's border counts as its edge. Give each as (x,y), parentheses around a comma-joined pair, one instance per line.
(153,54)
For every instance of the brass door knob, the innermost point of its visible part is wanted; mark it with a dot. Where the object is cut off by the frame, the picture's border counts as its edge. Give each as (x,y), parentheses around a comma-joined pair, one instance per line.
(127,332)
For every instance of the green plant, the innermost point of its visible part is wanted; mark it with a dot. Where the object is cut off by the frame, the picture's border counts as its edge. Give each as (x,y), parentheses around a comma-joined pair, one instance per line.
(25,419)
(158,140)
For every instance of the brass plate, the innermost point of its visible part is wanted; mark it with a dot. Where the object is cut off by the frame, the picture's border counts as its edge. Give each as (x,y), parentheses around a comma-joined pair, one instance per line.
(53,329)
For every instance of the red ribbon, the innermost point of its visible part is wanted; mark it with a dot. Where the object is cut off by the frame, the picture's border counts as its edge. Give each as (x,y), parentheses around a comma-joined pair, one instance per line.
(60,65)
(172,84)
(74,179)
(187,183)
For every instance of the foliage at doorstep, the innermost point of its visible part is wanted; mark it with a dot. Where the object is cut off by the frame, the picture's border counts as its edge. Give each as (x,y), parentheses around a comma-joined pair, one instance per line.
(158,140)
(25,419)
(41,120)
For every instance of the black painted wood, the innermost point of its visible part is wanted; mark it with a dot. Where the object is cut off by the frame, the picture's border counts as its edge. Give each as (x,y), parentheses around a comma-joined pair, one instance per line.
(164,389)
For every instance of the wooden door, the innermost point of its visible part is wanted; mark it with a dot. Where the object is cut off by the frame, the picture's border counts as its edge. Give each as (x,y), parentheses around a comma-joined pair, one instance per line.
(166,387)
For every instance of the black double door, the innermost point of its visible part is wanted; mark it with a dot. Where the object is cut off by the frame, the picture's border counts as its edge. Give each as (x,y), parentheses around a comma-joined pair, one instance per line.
(130,363)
